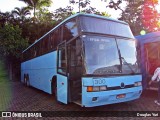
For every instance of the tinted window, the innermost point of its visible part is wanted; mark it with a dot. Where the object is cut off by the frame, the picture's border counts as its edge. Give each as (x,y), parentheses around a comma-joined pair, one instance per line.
(62,62)
(58,35)
(24,56)
(96,25)
(38,46)
(70,30)
(53,42)
(45,44)
(34,51)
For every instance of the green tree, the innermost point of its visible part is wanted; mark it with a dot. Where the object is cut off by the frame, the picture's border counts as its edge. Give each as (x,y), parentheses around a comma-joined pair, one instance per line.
(86,8)
(37,4)
(150,16)
(132,15)
(11,46)
(91,10)
(11,41)
(33,30)
(139,14)
(44,15)
(81,3)
(6,17)
(115,5)
(21,13)
(2,20)
(62,13)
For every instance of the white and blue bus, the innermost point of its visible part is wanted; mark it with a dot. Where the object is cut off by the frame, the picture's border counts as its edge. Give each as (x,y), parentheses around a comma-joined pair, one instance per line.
(87,59)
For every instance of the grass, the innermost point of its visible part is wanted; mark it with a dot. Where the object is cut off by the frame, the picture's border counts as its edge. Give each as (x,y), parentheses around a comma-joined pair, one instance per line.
(3,74)
(5,88)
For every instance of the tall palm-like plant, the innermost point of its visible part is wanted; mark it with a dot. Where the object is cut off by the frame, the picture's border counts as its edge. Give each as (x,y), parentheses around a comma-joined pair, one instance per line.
(21,13)
(37,4)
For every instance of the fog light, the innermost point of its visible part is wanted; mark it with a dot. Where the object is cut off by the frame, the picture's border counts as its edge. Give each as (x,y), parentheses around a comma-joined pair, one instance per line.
(94,98)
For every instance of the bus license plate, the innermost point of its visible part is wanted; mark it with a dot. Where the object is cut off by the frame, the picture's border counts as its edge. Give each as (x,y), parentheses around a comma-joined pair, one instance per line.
(121,96)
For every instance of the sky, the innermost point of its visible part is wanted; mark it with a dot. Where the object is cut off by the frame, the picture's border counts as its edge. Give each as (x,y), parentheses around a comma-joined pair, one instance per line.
(9,5)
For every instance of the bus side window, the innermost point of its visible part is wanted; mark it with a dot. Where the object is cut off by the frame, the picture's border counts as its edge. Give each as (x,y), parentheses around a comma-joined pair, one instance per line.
(45,45)
(52,41)
(70,30)
(24,56)
(34,51)
(39,49)
(62,63)
(58,36)
(31,52)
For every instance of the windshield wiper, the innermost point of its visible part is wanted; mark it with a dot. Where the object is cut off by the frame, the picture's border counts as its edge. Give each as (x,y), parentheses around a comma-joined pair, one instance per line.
(133,72)
(120,58)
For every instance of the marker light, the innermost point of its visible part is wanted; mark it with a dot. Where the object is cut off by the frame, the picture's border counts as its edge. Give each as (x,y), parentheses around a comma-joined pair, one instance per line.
(89,89)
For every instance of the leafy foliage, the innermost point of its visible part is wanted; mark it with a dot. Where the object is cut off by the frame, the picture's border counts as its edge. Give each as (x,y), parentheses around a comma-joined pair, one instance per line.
(37,4)
(21,13)
(132,15)
(139,14)
(115,5)
(92,10)
(62,13)
(11,41)
(81,3)
(150,16)
(6,17)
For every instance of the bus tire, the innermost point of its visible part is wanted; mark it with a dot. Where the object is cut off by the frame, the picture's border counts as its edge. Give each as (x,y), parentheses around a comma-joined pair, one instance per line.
(55,91)
(54,88)
(27,81)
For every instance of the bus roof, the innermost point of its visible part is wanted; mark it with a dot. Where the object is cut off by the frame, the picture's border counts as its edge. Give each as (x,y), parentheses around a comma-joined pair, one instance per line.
(73,16)
(150,37)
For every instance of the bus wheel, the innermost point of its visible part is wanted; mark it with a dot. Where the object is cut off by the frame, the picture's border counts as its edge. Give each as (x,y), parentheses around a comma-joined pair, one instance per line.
(27,81)
(54,89)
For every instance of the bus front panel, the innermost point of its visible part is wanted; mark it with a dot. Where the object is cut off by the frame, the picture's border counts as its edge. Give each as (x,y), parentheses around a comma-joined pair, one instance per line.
(102,91)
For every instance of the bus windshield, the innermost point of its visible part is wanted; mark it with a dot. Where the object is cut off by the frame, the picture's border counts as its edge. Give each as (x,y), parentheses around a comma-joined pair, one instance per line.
(102,57)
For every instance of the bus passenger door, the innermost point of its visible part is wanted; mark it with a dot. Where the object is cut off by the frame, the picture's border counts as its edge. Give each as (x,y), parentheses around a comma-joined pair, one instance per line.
(62,79)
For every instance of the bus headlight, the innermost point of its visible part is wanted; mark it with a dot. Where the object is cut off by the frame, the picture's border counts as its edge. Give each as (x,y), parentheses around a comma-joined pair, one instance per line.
(138,84)
(96,88)
(103,88)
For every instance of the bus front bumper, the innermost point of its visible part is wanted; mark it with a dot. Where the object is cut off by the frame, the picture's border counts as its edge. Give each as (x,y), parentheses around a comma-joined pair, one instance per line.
(91,99)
